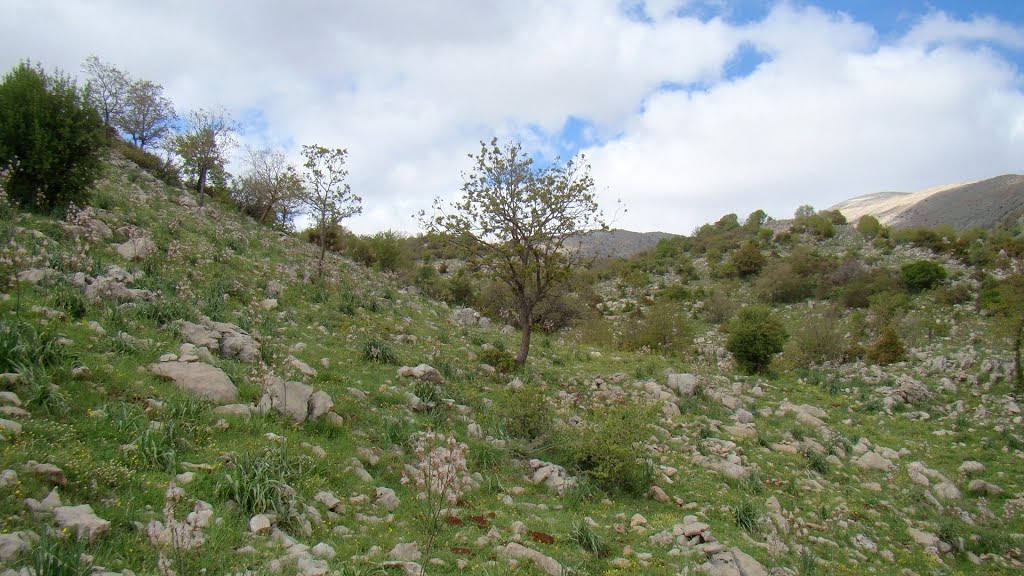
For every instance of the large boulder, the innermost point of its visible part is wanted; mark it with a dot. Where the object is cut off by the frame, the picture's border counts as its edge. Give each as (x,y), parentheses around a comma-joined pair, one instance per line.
(136,249)
(201,380)
(423,372)
(296,400)
(732,562)
(82,521)
(546,564)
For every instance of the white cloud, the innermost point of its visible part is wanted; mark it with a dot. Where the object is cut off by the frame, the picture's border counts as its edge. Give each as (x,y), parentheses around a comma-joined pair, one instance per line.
(410,88)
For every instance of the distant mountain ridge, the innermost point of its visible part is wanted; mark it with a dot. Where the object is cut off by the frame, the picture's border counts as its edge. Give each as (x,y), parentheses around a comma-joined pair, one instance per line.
(982,204)
(602,244)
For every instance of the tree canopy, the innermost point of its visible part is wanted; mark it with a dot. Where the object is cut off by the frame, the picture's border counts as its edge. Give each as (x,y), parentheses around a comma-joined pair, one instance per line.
(514,219)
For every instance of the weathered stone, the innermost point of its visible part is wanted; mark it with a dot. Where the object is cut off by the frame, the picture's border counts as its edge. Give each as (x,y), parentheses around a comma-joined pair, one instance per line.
(386,497)
(684,384)
(136,249)
(236,344)
(10,426)
(82,521)
(423,372)
(971,468)
(50,473)
(978,486)
(874,461)
(243,410)
(947,491)
(519,552)
(201,380)
(405,552)
(732,562)
(14,545)
(260,524)
(302,367)
(465,316)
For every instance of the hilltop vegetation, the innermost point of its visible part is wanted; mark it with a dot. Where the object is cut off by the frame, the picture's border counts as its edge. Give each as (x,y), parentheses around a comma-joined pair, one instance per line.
(186,390)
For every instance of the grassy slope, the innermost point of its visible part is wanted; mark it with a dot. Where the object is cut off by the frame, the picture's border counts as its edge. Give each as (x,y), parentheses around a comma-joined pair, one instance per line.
(218,264)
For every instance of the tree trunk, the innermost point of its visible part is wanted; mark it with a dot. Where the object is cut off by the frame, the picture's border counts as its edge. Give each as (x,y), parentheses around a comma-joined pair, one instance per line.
(266,212)
(202,185)
(526,327)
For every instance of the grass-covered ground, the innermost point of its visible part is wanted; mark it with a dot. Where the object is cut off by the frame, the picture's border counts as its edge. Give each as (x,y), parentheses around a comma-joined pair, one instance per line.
(120,434)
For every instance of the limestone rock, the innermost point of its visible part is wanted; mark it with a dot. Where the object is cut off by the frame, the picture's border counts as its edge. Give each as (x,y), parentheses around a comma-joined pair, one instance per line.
(971,468)
(978,486)
(517,551)
(405,552)
(684,384)
(82,521)
(386,497)
(423,373)
(136,249)
(295,399)
(201,380)
(732,562)
(874,461)
(947,491)
(14,545)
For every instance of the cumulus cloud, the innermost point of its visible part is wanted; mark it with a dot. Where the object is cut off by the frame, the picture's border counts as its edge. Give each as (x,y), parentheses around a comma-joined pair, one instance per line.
(410,88)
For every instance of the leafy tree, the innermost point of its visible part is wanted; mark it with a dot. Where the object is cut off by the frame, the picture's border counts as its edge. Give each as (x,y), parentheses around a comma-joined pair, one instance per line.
(271,187)
(755,336)
(922,275)
(748,259)
(328,197)
(756,219)
(203,145)
(514,219)
(50,138)
(106,88)
(146,114)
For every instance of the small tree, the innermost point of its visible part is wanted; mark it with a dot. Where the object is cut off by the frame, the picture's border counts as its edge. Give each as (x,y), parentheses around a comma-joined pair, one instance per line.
(146,114)
(50,138)
(869,226)
(922,275)
(748,259)
(203,145)
(106,88)
(328,197)
(514,219)
(270,188)
(755,336)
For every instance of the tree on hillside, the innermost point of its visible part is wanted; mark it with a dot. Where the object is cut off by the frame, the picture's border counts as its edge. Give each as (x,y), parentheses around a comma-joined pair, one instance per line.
(203,145)
(106,88)
(50,138)
(146,114)
(270,188)
(513,220)
(756,335)
(328,197)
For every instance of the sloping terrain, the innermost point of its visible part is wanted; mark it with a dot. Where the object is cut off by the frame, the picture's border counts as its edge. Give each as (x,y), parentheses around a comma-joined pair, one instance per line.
(983,204)
(181,394)
(603,244)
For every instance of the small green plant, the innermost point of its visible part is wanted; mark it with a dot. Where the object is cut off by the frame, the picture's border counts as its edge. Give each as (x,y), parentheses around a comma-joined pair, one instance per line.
(379,352)
(42,393)
(609,449)
(156,449)
(746,515)
(502,360)
(817,462)
(258,482)
(583,534)
(55,556)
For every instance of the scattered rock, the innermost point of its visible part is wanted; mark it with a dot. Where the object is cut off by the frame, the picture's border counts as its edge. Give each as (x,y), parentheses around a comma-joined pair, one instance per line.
(423,373)
(201,380)
(136,249)
(981,487)
(874,461)
(15,544)
(295,399)
(519,552)
(82,521)
(405,552)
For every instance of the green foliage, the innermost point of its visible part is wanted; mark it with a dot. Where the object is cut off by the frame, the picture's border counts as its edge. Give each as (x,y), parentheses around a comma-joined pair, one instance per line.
(163,170)
(379,352)
(869,227)
(258,482)
(21,344)
(755,336)
(384,251)
(584,535)
(664,329)
(922,275)
(525,413)
(497,356)
(813,342)
(608,448)
(888,348)
(748,260)
(51,137)
(55,556)
(746,515)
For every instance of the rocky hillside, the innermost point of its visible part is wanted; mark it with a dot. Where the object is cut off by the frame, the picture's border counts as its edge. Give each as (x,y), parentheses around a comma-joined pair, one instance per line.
(616,243)
(984,204)
(180,394)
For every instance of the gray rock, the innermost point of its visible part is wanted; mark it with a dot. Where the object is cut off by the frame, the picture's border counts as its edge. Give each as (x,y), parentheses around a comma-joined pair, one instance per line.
(136,249)
(744,416)
(732,562)
(386,497)
(50,473)
(405,552)
(971,468)
(684,384)
(947,491)
(874,461)
(243,410)
(201,380)
(10,426)
(36,275)
(465,316)
(274,289)
(82,521)
(423,373)
(519,552)
(302,367)
(15,544)
(981,487)
(238,344)
(288,398)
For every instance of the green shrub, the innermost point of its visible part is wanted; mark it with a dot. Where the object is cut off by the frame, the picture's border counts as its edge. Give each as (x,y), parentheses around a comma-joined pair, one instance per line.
(747,260)
(888,348)
(922,275)
(525,413)
(746,515)
(379,352)
(22,345)
(608,448)
(755,336)
(780,283)
(869,226)
(502,360)
(50,135)
(664,329)
(583,534)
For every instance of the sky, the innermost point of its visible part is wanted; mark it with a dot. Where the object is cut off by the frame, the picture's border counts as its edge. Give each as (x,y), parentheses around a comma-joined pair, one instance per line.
(685,109)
